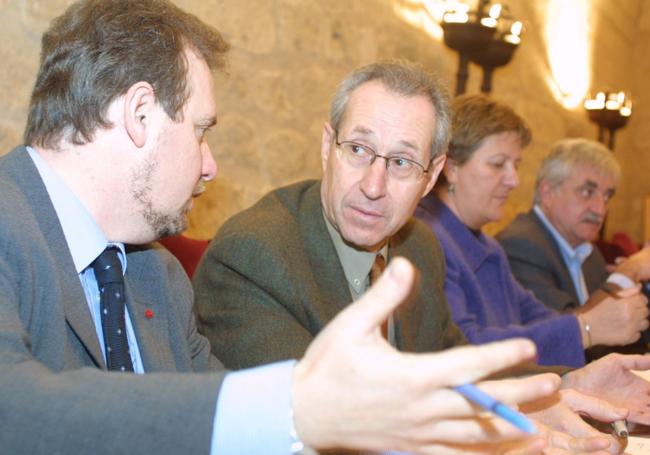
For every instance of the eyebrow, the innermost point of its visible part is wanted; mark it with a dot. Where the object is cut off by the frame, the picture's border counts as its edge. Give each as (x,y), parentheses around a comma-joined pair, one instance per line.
(369,132)
(589,184)
(362,130)
(593,185)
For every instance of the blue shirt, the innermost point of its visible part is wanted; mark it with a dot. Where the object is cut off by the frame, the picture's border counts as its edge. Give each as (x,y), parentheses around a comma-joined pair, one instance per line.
(86,241)
(253,412)
(573,257)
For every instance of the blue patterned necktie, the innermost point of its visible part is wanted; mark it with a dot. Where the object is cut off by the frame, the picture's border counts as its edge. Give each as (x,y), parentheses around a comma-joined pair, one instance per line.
(112,302)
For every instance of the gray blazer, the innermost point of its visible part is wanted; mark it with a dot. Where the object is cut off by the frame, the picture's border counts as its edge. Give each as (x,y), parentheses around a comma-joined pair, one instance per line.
(537,263)
(54,396)
(271,280)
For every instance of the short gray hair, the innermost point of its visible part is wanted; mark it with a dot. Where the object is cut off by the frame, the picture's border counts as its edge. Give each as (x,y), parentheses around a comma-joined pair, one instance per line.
(403,78)
(568,154)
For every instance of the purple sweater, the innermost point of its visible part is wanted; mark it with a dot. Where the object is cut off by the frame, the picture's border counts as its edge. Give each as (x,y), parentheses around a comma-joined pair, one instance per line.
(485,299)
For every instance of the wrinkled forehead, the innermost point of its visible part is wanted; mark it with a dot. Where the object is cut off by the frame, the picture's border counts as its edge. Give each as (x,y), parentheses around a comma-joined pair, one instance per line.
(585,174)
(376,111)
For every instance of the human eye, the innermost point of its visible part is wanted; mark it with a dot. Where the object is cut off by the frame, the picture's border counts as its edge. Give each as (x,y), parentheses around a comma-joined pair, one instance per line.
(401,167)
(498,164)
(586,192)
(401,163)
(357,152)
(358,149)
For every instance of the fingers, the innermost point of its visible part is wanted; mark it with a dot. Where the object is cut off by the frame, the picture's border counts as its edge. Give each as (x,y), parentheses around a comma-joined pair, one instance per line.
(626,362)
(531,446)
(470,431)
(577,445)
(524,447)
(629,292)
(644,324)
(520,390)
(637,416)
(374,307)
(468,363)
(591,406)
(447,403)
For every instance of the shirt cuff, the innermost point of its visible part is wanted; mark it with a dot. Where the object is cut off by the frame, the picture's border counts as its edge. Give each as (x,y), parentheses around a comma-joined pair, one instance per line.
(253,412)
(621,280)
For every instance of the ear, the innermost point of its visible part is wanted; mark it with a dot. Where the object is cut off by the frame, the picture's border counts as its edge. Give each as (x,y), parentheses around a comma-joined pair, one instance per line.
(434,171)
(326,144)
(545,191)
(139,106)
(451,171)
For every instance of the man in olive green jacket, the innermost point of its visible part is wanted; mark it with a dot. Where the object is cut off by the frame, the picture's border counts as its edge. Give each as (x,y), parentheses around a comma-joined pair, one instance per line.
(272,279)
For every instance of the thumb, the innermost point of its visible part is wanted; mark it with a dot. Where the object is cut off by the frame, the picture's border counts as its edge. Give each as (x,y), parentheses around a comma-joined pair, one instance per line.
(629,292)
(374,307)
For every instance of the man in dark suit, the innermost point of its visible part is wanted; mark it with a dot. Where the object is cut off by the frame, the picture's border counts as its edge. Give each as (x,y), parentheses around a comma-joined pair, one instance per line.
(550,249)
(115,152)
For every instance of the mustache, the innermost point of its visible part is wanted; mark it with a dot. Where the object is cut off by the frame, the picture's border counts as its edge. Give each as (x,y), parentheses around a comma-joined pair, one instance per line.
(594,218)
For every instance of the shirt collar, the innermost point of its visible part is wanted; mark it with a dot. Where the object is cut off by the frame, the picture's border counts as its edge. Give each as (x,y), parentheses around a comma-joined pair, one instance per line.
(356,263)
(581,252)
(85,239)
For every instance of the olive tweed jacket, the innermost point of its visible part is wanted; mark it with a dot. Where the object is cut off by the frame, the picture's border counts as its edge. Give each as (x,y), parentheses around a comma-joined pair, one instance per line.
(271,280)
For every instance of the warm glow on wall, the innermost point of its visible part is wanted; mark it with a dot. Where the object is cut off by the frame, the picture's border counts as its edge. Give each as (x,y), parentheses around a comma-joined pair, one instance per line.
(569,50)
(424,14)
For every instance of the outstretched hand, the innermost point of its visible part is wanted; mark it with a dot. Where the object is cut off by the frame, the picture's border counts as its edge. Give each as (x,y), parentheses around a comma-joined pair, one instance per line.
(353,390)
(611,378)
(563,410)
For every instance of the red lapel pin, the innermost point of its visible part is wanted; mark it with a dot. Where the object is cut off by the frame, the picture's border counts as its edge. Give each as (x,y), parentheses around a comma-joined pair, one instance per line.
(148,313)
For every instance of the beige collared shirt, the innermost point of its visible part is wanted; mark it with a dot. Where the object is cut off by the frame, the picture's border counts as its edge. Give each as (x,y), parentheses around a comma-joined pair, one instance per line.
(356,267)
(356,263)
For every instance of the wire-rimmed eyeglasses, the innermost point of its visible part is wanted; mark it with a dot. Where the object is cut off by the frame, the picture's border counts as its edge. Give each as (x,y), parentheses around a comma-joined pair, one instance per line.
(361,156)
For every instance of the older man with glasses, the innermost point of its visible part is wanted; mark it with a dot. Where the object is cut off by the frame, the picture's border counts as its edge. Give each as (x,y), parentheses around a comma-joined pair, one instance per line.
(277,273)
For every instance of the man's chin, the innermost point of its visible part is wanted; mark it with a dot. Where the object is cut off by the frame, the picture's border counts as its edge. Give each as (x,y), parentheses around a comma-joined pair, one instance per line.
(592,233)
(363,241)
(172,227)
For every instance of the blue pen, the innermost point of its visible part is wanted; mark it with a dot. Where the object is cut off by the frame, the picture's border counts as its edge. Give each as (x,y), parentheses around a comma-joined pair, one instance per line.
(477,396)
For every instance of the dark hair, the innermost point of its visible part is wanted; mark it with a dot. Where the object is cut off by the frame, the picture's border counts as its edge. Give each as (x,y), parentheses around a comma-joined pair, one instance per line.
(475,117)
(403,78)
(97,49)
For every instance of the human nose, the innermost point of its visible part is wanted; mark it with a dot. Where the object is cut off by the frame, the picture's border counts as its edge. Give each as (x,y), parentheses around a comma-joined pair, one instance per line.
(373,184)
(511,178)
(598,204)
(208,164)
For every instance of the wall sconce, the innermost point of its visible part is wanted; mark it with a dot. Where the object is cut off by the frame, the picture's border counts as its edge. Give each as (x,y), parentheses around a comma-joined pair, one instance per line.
(610,111)
(487,37)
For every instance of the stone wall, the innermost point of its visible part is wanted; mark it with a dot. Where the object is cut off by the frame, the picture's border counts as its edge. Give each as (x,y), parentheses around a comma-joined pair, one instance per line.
(288,55)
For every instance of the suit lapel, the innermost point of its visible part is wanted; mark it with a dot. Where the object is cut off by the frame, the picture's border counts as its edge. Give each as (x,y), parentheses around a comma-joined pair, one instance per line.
(77,313)
(555,255)
(408,315)
(149,318)
(325,264)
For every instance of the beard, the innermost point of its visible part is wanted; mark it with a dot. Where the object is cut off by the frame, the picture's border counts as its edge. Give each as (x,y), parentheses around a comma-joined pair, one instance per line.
(159,223)
(165,225)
